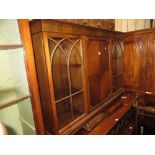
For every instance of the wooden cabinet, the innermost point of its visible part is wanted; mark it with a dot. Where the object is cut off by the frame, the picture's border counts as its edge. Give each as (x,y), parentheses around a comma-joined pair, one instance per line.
(80,70)
(98,71)
(74,72)
(139,58)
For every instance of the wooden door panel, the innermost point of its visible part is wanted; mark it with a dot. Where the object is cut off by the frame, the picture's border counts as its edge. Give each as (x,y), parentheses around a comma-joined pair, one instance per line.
(98,71)
(135,62)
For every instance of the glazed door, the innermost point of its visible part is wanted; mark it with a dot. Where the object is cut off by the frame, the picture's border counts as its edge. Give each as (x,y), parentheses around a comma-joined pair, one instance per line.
(135,62)
(66,60)
(97,55)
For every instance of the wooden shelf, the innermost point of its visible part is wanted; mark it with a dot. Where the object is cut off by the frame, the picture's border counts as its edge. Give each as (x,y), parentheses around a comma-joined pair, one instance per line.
(10,46)
(13,102)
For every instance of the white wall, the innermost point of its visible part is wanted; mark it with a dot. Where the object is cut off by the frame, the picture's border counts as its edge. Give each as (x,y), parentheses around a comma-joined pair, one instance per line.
(13,82)
(126,25)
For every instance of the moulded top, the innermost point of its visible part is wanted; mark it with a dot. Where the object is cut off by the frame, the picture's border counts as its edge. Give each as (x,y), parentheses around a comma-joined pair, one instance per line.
(50,25)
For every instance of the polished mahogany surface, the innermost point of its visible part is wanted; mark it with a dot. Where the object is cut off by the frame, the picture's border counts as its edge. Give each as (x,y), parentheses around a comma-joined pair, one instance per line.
(135,62)
(98,71)
(139,61)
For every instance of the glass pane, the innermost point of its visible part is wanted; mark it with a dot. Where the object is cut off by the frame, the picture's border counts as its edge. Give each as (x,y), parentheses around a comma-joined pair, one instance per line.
(18,119)
(78,105)
(64,112)
(98,71)
(66,46)
(76,70)
(9,32)
(60,75)
(12,75)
